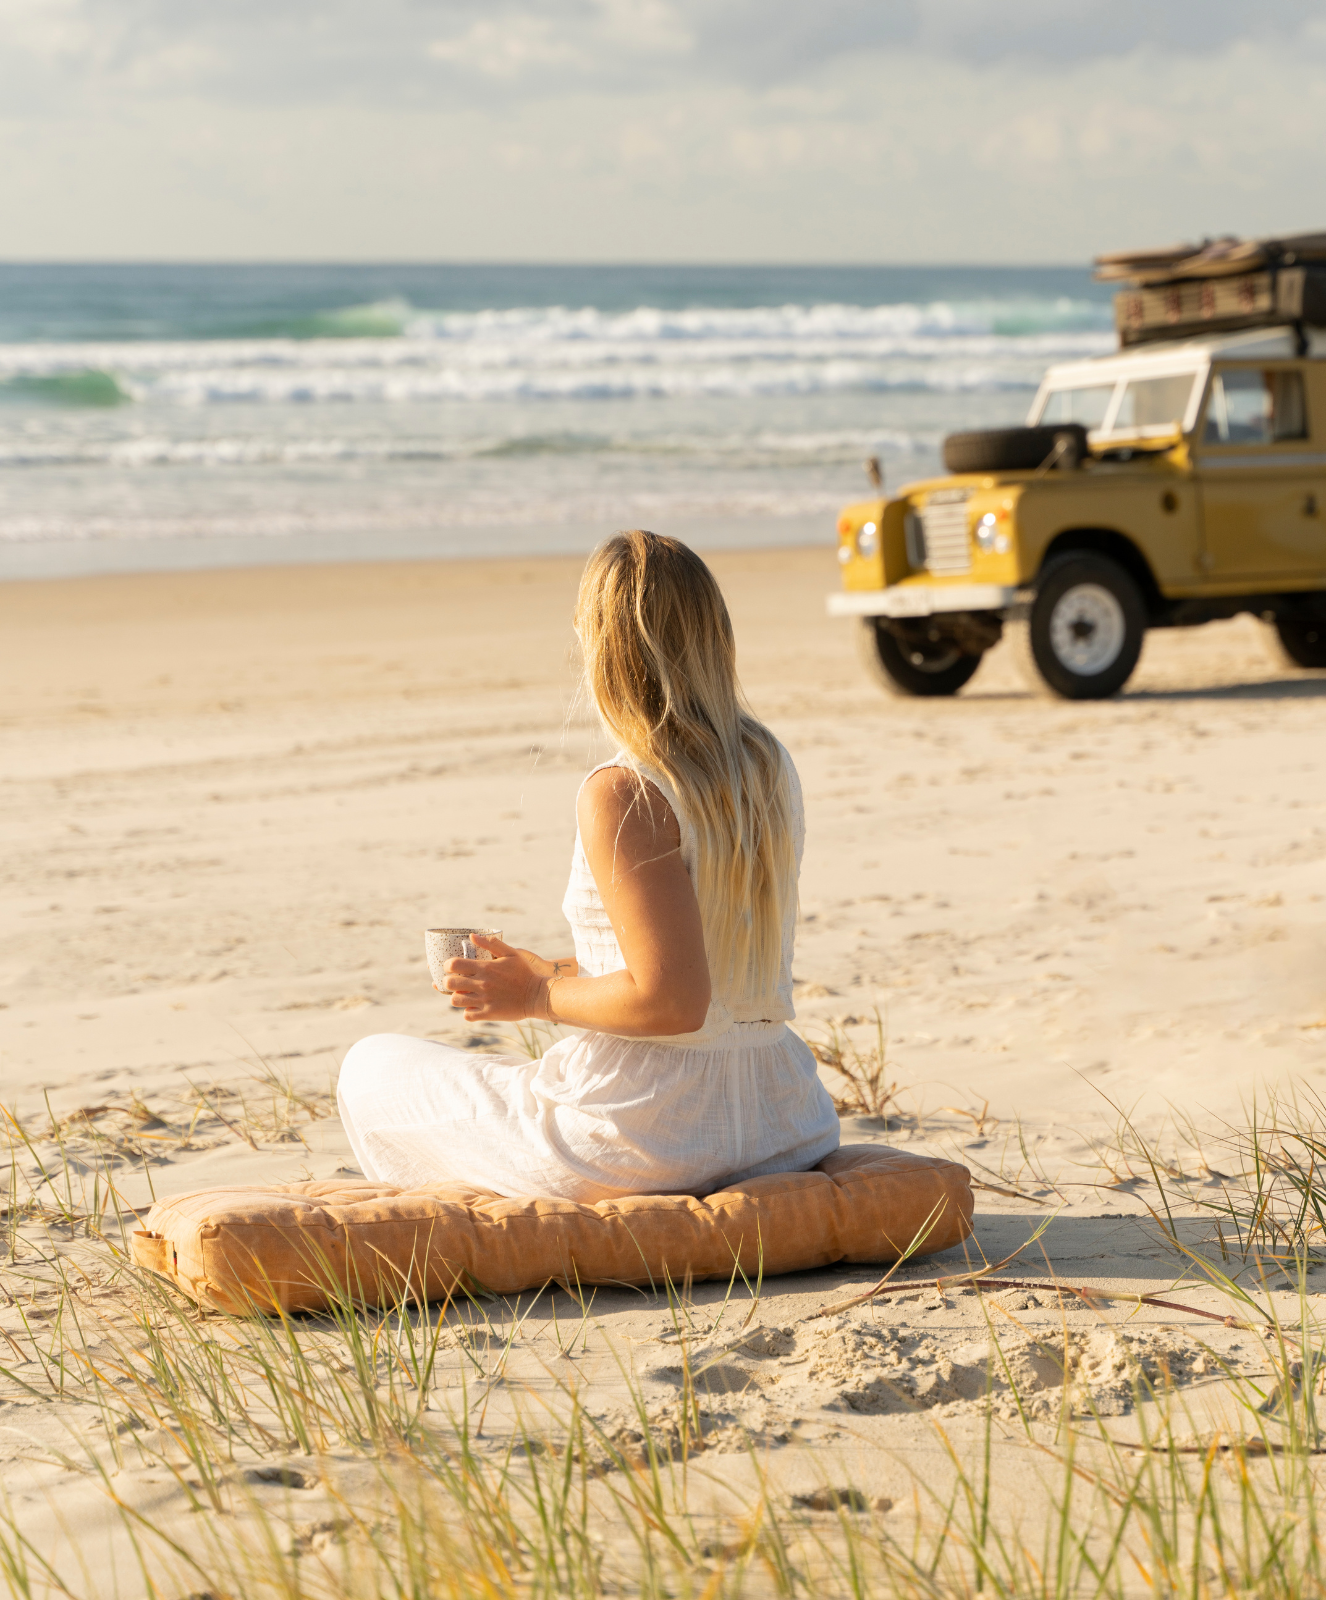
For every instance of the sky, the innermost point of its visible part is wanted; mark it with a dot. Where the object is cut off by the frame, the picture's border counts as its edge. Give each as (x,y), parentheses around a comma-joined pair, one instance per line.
(654,130)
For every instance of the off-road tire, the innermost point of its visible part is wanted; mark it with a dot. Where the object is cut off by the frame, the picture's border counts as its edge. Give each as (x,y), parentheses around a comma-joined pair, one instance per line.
(1015,449)
(905,669)
(1085,629)
(1301,640)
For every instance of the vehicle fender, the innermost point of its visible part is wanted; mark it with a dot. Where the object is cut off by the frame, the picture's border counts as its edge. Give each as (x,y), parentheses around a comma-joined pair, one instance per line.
(1151,524)
(893,541)
(858,571)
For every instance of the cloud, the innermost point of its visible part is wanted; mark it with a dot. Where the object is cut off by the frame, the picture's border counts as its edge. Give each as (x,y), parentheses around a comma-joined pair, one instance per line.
(385,52)
(756,39)
(390,51)
(652,129)
(507,48)
(583,44)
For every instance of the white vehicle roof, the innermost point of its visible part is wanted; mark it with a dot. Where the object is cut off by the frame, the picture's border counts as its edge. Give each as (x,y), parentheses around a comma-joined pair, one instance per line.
(1183,355)
(1167,359)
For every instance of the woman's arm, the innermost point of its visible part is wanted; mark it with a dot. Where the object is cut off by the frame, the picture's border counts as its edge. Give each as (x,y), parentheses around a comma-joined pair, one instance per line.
(633,845)
(541,966)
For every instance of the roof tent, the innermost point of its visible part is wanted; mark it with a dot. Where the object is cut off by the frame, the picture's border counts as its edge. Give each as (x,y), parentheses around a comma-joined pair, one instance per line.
(1217,287)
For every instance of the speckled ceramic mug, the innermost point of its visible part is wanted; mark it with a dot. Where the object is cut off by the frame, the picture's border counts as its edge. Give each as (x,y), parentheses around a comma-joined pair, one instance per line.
(441,944)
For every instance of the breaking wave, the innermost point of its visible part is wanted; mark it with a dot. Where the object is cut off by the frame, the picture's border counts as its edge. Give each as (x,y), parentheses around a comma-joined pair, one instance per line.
(351,408)
(561,354)
(79,386)
(757,449)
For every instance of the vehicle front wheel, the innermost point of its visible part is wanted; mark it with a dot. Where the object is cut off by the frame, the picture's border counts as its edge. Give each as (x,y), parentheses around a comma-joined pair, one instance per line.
(916,659)
(1302,640)
(1085,629)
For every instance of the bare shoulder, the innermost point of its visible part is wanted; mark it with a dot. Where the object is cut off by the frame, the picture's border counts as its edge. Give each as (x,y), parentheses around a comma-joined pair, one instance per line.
(617,809)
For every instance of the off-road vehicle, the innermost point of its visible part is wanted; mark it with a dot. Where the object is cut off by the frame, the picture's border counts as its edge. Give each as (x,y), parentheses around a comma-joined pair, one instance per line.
(1178,481)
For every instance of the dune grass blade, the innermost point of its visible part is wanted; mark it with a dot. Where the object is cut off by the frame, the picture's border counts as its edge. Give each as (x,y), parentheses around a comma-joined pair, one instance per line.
(864,1074)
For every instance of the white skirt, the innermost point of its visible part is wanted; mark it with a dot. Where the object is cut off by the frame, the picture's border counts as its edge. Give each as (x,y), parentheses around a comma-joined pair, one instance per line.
(599,1116)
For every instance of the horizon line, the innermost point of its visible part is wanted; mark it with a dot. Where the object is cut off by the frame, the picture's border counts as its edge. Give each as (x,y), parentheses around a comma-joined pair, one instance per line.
(439,261)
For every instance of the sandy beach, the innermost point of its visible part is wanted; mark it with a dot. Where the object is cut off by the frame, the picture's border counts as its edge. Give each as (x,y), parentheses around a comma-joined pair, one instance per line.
(232,801)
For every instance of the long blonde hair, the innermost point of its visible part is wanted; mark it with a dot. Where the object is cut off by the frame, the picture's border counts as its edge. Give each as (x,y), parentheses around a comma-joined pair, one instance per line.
(660,663)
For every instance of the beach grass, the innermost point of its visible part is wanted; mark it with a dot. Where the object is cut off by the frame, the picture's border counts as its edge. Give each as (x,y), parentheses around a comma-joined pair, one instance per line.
(862,1072)
(394,1450)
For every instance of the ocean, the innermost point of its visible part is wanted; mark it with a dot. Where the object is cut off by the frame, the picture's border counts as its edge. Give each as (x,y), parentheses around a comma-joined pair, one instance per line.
(159,416)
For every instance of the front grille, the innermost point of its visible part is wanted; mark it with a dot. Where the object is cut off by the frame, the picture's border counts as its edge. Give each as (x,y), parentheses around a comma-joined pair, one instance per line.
(947,547)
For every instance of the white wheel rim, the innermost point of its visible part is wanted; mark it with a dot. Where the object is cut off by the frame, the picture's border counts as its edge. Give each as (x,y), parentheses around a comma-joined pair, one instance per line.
(1087,629)
(940,663)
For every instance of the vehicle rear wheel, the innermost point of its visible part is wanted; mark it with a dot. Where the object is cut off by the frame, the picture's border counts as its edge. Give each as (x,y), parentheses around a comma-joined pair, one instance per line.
(917,661)
(1302,640)
(1085,631)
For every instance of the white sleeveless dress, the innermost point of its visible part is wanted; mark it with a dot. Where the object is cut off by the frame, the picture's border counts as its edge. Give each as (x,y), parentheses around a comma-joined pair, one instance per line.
(600,1115)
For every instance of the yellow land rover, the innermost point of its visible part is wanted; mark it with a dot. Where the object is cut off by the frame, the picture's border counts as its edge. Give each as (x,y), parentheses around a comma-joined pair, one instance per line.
(1176,482)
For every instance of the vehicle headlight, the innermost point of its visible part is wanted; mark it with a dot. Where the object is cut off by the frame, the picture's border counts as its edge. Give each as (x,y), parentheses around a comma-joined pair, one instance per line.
(867,539)
(988,537)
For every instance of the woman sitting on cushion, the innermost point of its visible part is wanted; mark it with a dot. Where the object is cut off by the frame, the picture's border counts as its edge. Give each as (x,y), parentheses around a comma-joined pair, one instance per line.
(683,1074)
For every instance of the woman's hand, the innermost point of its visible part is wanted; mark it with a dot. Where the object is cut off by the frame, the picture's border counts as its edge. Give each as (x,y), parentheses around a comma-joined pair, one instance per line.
(508,988)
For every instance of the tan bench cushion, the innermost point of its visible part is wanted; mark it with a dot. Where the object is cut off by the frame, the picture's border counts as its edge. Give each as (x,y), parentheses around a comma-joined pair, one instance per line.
(244,1249)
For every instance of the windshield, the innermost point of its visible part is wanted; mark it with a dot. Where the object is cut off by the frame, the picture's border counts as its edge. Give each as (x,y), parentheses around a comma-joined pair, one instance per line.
(1087,406)
(1153,403)
(1129,405)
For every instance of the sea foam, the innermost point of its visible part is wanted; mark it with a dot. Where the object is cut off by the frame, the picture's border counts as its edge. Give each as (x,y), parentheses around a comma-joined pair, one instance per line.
(564,354)
(228,406)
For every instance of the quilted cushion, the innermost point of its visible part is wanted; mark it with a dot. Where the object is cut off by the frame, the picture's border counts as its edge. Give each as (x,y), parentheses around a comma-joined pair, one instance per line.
(292,1247)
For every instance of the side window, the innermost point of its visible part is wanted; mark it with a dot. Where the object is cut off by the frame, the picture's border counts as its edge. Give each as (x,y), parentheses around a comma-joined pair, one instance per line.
(1289,411)
(1251,407)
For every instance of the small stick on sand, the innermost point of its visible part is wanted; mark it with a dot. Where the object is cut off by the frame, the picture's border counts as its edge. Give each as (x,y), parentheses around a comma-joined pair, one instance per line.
(884,1287)
(983,1283)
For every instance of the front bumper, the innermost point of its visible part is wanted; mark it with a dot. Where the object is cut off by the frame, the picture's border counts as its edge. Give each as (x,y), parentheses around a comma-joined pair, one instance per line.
(921,600)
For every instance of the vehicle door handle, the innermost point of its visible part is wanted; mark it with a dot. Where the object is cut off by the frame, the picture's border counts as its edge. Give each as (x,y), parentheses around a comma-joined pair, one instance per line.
(1310,506)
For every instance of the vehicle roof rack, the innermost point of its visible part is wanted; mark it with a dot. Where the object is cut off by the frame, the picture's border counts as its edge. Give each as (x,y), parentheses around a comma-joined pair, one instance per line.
(1218,286)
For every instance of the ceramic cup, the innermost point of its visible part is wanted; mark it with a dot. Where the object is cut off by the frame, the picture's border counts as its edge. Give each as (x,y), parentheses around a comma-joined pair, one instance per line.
(441,944)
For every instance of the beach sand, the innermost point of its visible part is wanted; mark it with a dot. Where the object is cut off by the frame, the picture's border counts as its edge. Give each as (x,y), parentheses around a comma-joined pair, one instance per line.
(233,800)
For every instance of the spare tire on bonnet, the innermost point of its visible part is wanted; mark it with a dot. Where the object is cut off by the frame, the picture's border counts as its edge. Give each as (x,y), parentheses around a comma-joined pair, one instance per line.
(1015,449)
